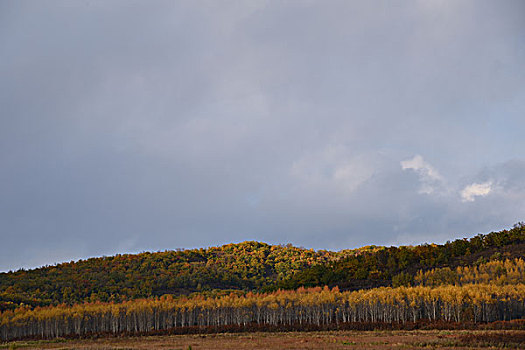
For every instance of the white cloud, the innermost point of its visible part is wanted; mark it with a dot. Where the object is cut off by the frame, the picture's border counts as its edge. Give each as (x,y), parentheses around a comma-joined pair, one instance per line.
(425,169)
(429,176)
(469,193)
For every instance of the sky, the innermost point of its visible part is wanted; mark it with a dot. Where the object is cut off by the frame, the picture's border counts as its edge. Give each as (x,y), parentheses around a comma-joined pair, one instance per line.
(129,126)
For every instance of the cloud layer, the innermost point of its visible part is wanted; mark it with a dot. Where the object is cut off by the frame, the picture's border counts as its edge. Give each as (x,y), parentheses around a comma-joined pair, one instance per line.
(130,126)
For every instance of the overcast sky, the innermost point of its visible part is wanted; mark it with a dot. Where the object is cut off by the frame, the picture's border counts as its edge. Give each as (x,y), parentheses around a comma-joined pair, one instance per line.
(152,125)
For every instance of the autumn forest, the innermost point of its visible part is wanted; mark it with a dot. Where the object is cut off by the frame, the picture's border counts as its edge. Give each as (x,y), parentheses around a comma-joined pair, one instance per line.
(252,284)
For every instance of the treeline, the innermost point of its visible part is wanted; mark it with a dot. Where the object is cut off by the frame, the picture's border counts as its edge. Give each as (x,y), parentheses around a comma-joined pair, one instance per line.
(316,306)
(248,266)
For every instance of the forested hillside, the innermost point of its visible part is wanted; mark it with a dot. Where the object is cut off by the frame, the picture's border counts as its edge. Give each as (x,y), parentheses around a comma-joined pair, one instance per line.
(398,265)
(244,266)
(480,279)
(252,266)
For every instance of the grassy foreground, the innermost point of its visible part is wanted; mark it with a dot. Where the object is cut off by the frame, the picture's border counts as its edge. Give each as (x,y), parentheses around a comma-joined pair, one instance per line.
(370,340)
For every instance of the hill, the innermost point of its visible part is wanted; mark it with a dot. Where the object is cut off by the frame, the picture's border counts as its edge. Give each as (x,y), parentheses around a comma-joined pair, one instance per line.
(242,266)
(396,266)
(247,266)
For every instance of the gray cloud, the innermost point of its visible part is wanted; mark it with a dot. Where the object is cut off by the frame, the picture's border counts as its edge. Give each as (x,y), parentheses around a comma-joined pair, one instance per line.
(130,126)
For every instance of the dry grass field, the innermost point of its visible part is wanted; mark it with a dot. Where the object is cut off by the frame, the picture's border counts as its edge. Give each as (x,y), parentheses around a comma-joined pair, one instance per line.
(369,340)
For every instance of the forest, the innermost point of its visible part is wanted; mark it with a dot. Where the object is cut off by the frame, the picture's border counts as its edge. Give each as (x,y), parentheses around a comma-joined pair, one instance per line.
(314,306)
(247,266)
(478,279)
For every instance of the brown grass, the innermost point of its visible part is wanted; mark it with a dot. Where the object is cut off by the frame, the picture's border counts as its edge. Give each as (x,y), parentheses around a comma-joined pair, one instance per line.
(369,340)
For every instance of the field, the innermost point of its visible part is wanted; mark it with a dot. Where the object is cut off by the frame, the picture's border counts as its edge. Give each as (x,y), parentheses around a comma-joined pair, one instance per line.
(370,340)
